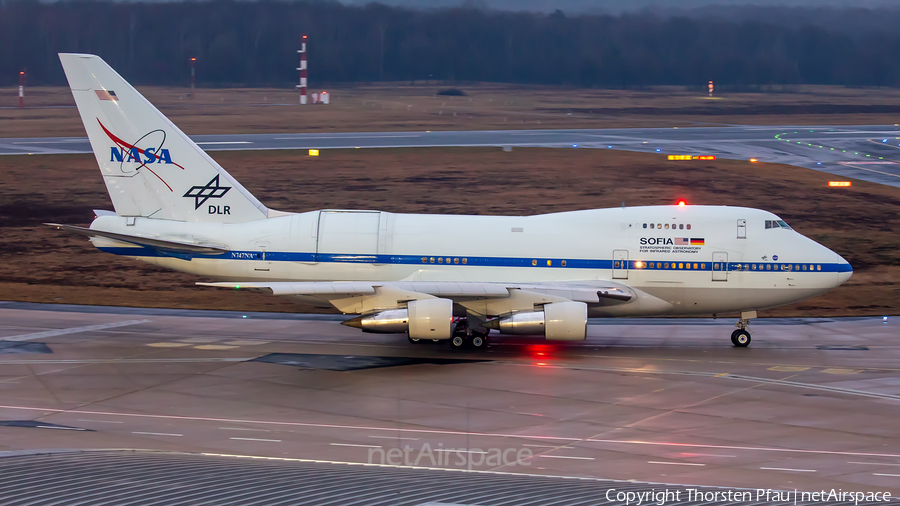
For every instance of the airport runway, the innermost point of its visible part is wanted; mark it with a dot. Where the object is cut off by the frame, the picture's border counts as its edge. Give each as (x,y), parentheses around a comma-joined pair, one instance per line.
(812,404)
(869,152)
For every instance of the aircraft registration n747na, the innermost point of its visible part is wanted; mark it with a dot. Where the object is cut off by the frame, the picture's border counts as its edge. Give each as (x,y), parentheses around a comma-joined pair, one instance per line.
(410,273)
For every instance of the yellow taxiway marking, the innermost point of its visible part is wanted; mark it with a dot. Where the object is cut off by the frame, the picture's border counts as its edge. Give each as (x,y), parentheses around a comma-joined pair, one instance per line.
(789,368)
(214,347)
(836,370)
(720,375)
(168,345)
(246,343)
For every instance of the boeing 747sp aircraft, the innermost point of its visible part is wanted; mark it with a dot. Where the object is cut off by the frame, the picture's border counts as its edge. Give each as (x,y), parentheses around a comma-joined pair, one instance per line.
(409,273)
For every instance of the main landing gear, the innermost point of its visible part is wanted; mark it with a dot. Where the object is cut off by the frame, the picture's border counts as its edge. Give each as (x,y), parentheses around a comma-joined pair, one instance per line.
(741,337)
(462,337)
(465,338)
(477,340)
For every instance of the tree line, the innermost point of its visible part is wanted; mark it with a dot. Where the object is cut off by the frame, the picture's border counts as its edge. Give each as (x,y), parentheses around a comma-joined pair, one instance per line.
(255,43)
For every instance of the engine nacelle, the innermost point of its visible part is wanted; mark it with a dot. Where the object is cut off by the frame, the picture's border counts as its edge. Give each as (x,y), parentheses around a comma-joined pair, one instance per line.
(559,321)
(565,321)
(391,321)
(423,319)
(430,318)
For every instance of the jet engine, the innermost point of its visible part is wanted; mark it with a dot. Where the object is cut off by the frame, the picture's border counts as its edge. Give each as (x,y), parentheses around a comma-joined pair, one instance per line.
(423,319)
(559,321)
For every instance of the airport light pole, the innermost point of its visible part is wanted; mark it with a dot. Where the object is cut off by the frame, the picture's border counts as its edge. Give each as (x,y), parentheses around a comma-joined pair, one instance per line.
(193,76)
(710,88)
(22,89)
(302,69)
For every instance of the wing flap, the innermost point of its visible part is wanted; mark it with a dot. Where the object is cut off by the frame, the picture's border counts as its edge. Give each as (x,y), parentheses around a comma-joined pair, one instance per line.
(581,293)
(301,288)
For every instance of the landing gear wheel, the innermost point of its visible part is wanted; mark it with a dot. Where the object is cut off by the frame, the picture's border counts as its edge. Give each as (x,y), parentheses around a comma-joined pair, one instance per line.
(740,338)
(457,342)
(478,341)
(414,340)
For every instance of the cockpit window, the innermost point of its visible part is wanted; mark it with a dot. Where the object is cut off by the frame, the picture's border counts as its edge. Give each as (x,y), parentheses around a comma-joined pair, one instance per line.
(777,224)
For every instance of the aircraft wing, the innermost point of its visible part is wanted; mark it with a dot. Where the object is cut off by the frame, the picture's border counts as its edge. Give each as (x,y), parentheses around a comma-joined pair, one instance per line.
(162,245)
(369,295)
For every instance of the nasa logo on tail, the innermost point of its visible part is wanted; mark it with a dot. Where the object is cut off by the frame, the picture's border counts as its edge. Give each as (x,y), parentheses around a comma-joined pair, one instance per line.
(148,149)
(211,190)
(134,155)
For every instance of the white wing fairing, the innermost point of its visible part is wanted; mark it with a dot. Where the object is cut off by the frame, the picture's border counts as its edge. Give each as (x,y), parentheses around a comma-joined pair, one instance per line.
(419,274)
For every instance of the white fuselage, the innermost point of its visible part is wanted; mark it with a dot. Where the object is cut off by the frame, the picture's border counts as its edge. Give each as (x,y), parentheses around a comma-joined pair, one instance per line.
(698,259)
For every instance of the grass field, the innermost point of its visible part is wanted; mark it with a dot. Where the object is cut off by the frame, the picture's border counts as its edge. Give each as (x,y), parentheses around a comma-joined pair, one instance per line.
(400,106)
(40,264)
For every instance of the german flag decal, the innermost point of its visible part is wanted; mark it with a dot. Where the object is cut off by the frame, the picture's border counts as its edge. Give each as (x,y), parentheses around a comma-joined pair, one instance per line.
(697,242)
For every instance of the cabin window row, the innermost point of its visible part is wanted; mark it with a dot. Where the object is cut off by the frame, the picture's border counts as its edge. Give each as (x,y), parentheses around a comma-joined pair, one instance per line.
(661,226)
(621,264)
(464,261)
(776,267)
(664,265)
(441,260)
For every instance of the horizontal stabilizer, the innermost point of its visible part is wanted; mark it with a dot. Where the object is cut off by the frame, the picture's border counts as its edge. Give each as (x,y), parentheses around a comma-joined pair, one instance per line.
(163,245)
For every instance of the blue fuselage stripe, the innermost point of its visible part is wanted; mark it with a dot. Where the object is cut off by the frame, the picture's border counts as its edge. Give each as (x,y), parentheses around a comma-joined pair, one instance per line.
(637,265)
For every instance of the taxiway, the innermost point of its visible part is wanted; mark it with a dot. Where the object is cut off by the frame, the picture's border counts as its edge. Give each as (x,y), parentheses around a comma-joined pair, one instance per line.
(812,404)
(868,152)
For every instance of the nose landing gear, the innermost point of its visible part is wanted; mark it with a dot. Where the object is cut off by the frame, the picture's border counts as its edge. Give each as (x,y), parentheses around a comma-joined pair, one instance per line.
(741,337)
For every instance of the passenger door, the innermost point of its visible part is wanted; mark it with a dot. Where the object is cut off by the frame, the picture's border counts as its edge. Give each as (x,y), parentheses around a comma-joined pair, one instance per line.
(720,266)
(262,264)
(620,264)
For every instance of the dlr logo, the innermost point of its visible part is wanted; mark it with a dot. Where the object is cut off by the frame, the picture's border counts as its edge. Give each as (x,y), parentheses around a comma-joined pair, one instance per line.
(220,210)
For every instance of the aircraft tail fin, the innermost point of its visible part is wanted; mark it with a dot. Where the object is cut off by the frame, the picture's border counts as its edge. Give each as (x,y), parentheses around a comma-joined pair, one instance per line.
(150,167)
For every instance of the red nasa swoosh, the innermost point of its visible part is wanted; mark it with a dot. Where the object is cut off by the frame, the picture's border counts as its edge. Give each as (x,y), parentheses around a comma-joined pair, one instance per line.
(125,145)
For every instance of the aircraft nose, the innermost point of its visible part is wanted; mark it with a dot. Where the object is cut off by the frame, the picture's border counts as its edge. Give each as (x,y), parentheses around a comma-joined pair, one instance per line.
(844,270)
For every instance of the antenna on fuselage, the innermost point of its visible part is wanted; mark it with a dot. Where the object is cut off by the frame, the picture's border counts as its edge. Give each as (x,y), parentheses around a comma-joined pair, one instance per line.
(623,204)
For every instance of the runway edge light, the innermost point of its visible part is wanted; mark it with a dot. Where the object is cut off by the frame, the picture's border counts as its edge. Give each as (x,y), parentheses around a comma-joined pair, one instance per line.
(313,152)
(839,183)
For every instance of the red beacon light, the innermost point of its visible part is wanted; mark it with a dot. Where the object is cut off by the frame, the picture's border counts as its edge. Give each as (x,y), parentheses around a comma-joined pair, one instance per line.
(681,203)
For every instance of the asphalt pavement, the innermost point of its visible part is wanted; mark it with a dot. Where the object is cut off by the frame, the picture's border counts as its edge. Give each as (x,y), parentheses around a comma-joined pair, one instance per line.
(811,405)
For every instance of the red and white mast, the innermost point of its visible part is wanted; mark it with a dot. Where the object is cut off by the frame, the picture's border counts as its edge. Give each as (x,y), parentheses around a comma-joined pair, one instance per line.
(302,69)
(21,89)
